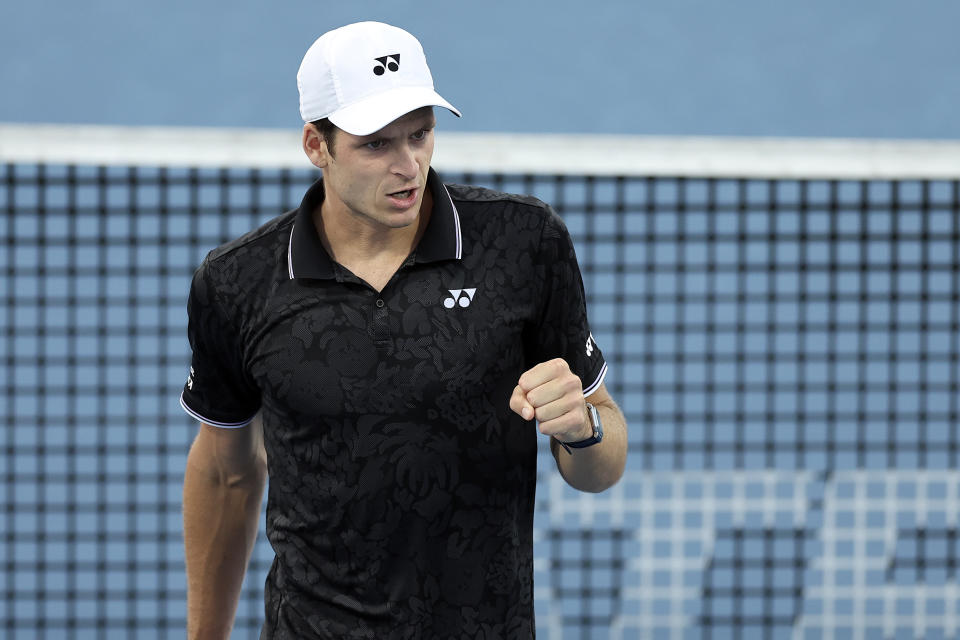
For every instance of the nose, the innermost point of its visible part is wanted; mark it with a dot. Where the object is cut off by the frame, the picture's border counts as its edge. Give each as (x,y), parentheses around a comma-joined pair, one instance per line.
(405,162)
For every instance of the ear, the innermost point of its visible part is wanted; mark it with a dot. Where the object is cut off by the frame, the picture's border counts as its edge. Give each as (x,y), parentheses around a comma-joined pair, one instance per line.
(315,146)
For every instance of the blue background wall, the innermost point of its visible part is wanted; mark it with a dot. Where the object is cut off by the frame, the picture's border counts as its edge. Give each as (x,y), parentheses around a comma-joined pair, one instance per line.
(752,67)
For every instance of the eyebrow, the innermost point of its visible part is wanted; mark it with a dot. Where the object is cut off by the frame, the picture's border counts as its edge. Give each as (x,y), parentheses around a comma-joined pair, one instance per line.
(415,124)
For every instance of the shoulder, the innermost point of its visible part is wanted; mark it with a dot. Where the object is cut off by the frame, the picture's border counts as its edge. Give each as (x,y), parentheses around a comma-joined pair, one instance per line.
(268,236)
(249,263)
(469,194)
(254,250)
(481,206)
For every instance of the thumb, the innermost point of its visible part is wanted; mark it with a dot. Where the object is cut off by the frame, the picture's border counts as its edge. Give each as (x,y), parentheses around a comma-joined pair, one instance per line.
(520,405)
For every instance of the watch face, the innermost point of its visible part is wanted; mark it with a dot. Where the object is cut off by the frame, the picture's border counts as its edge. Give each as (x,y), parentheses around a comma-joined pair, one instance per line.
(597,431)
(595,422)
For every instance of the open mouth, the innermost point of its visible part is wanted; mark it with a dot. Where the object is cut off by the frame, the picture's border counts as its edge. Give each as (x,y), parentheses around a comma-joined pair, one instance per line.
(405,198)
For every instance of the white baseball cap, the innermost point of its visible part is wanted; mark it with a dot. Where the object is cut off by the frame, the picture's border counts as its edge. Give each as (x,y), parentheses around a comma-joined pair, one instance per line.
(364,76)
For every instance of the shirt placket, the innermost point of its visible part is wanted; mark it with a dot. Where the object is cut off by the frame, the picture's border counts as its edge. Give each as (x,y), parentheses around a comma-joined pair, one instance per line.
(379,325)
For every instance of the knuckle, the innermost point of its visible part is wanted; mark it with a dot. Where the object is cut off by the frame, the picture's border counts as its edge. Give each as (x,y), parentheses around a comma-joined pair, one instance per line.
(531,397)
(559,366)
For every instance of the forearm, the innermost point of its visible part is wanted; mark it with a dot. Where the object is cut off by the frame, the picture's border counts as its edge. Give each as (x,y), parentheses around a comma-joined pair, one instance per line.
(598,467)
(221,514)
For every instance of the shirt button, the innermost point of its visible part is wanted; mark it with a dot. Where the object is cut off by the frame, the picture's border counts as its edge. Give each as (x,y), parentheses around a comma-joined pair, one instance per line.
(379,304)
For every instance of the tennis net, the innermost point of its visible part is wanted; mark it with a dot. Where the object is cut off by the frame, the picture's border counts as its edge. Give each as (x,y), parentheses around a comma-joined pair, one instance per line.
(782,324)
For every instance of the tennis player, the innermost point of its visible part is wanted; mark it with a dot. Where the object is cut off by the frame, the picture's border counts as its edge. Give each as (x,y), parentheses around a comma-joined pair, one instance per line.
(389,351)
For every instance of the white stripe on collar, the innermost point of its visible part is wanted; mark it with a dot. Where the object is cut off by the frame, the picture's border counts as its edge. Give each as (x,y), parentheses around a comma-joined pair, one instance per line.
(456,222)
(290,251)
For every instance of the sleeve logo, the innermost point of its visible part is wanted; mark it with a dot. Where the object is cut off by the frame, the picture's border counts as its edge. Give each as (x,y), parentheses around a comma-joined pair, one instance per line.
(190,380)
(590,345)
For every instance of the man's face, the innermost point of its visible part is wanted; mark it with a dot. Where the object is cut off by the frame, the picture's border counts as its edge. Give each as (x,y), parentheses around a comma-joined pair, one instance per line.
(380,179)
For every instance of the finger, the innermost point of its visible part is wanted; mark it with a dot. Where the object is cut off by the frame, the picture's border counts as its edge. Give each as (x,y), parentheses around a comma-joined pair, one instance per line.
(556,397)
(556,408)
(560,426)
(548,393)
(520,405)
(569,426)
(542,373)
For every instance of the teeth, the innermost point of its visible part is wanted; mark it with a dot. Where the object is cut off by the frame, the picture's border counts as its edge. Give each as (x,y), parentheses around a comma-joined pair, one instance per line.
(403,194)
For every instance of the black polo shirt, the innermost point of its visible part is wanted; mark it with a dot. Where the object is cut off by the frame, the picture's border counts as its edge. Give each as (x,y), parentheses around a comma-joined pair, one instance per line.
(402,485)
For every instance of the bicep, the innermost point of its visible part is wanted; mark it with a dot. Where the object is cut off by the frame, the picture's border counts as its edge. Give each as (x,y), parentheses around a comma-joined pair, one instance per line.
(228,452)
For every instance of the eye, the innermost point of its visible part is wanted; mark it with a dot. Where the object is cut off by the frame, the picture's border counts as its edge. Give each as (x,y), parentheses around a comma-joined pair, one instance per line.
(375,145)
(421,134)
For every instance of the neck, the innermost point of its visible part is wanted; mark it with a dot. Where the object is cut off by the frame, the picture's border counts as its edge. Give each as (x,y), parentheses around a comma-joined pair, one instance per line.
(370,251)
(344,233)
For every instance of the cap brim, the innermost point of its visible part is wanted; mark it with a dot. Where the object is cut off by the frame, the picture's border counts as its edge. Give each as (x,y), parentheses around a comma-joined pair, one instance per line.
(377,111)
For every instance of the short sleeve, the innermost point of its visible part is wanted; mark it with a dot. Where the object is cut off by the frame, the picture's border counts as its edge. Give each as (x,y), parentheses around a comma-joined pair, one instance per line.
(217,391)
(564,330)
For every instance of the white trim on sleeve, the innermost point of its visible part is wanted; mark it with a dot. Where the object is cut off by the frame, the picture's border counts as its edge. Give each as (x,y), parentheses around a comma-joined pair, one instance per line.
(215,423)
(596,383)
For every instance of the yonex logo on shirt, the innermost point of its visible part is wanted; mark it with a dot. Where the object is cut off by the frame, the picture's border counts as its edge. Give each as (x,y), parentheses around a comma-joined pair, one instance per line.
(462,297)
(190,380)
(590,343)
(391,62)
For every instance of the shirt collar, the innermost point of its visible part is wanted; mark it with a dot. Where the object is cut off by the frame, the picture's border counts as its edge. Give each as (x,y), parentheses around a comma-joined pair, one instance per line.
(307,258)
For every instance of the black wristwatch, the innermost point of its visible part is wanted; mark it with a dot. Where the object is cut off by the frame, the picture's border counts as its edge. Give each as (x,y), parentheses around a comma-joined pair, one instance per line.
(592,440)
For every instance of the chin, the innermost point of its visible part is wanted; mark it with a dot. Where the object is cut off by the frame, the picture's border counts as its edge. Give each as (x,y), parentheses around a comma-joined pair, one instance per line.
(400,221)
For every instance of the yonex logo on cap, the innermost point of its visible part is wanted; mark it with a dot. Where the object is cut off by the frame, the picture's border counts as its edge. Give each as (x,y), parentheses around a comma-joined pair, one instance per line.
(391,62)
(461,297)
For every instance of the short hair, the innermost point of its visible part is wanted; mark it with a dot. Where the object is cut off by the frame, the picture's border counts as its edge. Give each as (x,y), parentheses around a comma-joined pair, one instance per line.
(327,130)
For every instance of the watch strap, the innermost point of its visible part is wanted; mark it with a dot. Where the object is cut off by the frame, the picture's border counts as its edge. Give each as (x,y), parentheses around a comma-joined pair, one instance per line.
(592,440)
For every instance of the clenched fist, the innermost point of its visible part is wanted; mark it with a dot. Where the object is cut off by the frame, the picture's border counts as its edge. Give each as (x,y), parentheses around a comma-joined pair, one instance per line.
(553,394)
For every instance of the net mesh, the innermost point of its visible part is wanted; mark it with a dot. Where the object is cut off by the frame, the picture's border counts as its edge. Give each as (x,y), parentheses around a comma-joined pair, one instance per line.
(786,352)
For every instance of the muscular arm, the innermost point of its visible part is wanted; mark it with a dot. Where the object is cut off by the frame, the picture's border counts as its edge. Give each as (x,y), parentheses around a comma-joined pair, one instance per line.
(222,494)
(600,466)
(553,395)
